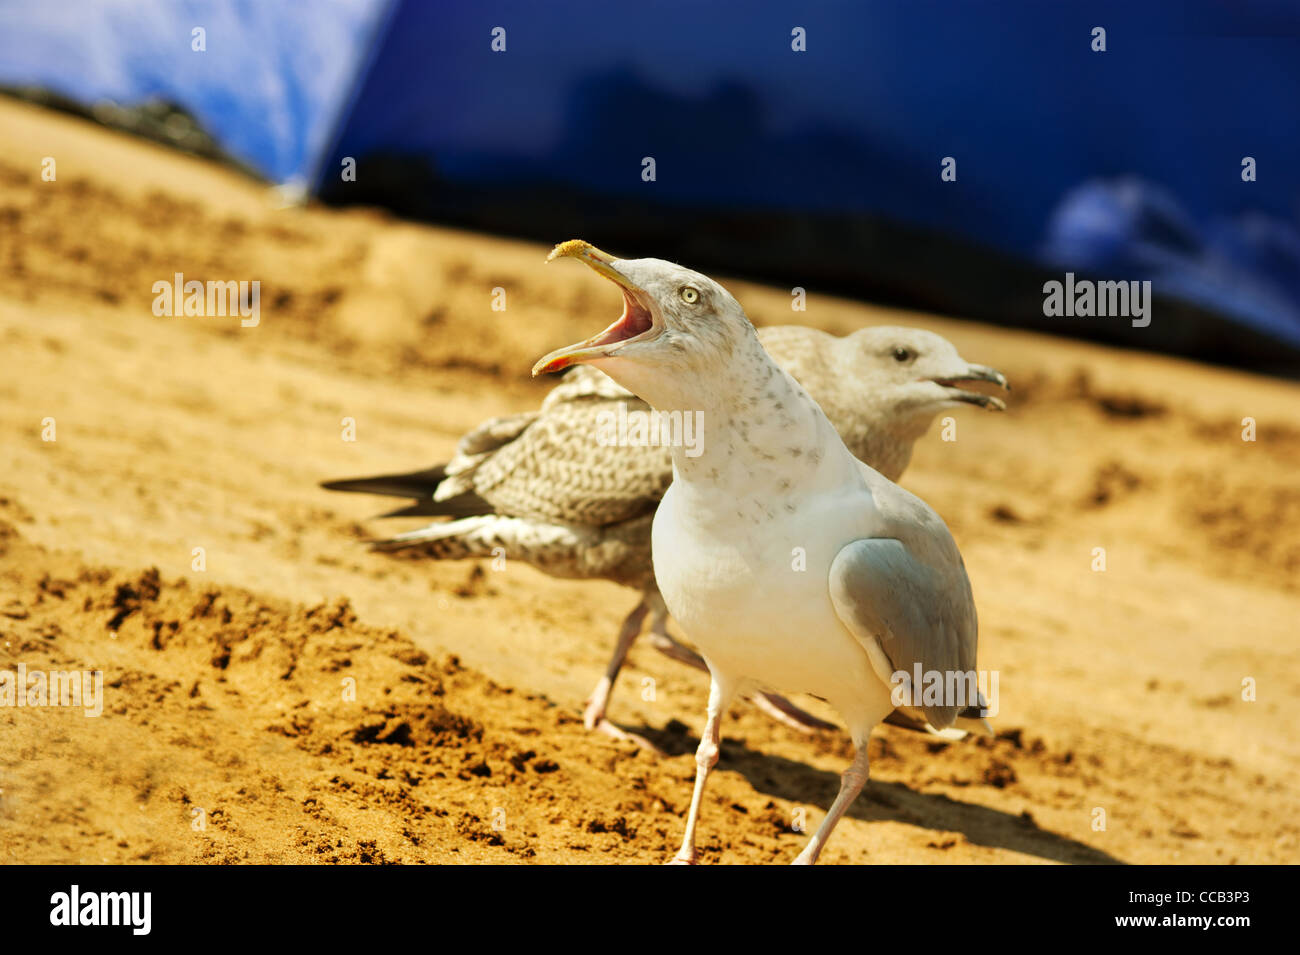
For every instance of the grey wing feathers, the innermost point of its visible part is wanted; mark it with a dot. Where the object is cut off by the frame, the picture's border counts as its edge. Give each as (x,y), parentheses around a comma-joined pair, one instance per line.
(440,490)
(478,446)
(917,613)
(546,465)
(494,433)
(558,470)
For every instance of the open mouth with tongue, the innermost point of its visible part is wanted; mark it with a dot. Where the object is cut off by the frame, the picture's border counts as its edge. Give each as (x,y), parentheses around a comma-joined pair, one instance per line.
(637,323)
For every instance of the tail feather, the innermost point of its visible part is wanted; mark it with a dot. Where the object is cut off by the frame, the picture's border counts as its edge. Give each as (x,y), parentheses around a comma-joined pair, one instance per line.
(420,487)
(415,484)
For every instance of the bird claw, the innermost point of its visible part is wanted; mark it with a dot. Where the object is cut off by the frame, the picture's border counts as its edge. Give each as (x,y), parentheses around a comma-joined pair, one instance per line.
(596,704)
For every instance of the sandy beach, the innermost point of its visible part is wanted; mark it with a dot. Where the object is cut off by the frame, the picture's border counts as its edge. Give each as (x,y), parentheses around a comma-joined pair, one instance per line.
(302,699)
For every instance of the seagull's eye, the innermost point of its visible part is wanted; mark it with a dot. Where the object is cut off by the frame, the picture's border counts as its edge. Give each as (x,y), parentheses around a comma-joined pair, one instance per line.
(689,295)
(903,354)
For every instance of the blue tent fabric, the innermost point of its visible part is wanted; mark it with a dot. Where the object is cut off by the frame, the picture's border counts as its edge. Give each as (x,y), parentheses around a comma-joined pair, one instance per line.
(269,86)
(1248,266)
(825,163)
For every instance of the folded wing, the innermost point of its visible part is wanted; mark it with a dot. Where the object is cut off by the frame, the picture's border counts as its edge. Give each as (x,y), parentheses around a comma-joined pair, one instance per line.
(913,611)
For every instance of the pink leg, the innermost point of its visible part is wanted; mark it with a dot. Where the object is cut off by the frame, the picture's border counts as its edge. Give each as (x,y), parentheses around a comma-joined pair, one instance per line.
(675,651)
(594,715)
(706,757)
(665,644)
(787,714)
(628,632)
(851,783)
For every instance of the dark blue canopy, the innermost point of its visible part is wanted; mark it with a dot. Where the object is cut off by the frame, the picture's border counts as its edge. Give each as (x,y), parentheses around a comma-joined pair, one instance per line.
(820,166)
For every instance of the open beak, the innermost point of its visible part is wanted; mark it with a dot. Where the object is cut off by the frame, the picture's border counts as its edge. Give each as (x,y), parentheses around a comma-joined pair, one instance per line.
(976,373)
(636,323)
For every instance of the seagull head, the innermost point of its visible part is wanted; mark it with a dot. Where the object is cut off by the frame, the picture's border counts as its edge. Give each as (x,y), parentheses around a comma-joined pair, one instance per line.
(918,372)
(674,320)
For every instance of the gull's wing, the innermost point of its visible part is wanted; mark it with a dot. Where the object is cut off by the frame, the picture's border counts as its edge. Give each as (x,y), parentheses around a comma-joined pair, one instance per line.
(558,469)
(474,447)
(493,433)
(908,596)
(547,465)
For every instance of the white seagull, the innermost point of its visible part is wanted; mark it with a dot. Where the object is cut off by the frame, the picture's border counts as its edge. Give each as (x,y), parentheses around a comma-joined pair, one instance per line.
(788,562)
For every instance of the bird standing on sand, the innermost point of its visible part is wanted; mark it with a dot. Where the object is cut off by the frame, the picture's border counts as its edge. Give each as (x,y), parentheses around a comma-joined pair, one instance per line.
(542,487)
(788,562)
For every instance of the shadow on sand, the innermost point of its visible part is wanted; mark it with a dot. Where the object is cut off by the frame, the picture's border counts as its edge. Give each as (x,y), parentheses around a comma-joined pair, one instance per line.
(884,801)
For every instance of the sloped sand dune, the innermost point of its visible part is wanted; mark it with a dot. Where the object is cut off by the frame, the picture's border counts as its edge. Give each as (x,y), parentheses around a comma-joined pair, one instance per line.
(303,699)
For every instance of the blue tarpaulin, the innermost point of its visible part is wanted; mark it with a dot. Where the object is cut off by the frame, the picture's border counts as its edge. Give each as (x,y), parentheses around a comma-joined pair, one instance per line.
(1126,161)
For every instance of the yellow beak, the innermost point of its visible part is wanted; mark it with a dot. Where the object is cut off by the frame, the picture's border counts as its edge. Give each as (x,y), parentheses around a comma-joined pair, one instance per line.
(615,335)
